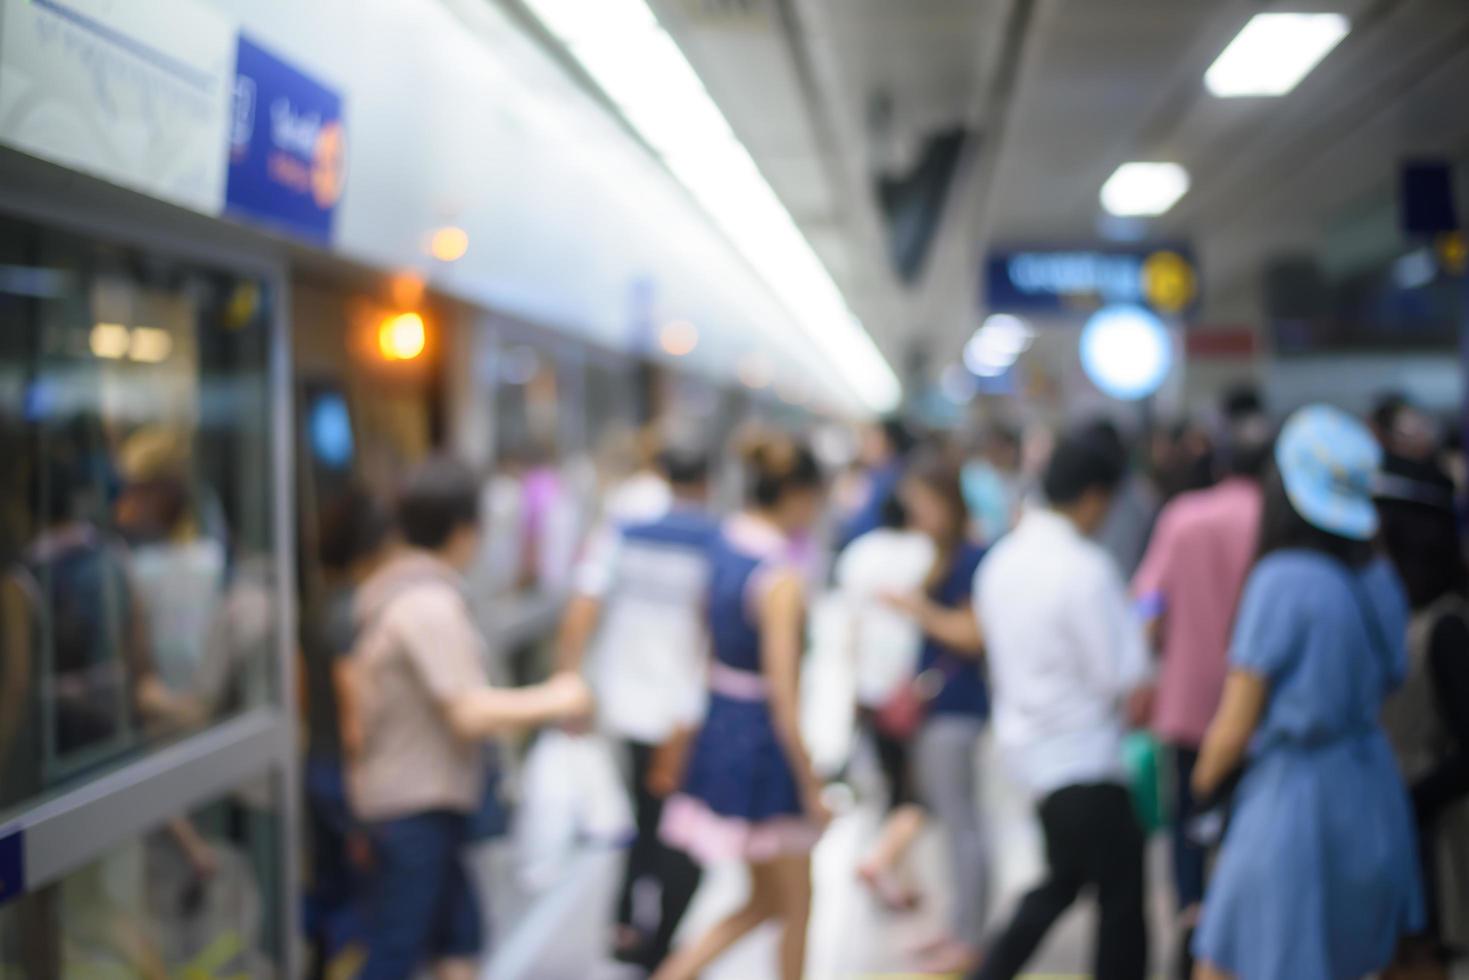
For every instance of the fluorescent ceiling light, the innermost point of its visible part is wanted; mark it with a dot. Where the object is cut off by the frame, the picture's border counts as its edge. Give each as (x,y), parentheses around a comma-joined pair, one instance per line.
(1273,52)
(643,73)
(572,21)
(1141,190)
(997,345)
(1007,334)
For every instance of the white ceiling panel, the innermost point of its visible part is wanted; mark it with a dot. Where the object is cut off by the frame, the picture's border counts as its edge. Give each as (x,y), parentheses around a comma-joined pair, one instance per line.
(1062,92)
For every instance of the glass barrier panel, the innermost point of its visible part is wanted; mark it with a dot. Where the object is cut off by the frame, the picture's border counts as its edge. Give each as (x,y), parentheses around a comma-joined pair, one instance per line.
(137,592)
(196,897)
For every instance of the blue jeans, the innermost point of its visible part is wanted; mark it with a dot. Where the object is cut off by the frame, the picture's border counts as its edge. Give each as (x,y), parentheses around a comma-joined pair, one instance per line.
(333,902)
(423,903)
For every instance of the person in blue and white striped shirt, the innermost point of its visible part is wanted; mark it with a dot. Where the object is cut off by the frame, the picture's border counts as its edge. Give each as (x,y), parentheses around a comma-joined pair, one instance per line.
(637,618)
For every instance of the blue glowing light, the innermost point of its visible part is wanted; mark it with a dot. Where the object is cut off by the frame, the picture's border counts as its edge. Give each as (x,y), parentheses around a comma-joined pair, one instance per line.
(1126,352)
(330,429)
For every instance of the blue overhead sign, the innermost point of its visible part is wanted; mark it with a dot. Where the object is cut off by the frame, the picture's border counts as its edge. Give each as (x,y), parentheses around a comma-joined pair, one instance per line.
(288,151)
(1161,278)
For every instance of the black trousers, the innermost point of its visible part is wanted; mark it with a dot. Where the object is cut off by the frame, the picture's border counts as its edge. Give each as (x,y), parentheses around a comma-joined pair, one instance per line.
(1189,858)
(894,755)
(1093,840)
(675,873)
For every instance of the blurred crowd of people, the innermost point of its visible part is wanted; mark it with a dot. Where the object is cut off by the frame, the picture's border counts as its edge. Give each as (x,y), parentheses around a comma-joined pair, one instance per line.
(1266,619)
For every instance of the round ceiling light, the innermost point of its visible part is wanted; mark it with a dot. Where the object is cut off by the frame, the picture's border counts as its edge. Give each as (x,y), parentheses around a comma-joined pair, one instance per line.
(1126,352)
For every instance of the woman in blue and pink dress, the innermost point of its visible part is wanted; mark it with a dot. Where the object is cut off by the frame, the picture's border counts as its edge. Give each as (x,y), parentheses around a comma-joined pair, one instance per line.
(749,792)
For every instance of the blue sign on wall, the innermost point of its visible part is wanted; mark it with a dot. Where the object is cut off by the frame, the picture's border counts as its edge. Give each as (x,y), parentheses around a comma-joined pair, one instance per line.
(288,151)
(12,865)
(1161,278)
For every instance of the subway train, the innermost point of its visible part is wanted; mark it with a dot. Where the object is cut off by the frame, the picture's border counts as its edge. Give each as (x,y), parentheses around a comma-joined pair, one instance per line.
(182,398)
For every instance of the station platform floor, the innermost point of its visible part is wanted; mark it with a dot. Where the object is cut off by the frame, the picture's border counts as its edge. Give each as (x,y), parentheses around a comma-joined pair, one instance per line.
(561,934)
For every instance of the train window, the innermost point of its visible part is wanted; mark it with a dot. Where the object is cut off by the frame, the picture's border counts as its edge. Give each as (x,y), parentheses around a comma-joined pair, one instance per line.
(611,400)
(526,404)
(527,493)
(137,596)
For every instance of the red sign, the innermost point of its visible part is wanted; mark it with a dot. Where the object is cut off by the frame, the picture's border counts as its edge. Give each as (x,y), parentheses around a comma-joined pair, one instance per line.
(1221,343)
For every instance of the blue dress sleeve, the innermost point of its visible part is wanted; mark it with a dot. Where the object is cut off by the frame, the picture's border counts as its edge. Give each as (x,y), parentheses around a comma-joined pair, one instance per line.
(965,569)
(1266,632)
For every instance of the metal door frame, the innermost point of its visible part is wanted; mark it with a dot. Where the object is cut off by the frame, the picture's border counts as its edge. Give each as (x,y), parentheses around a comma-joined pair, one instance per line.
(69,829)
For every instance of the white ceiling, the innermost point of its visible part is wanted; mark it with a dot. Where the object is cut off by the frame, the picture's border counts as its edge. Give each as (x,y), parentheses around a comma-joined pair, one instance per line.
(1061,92)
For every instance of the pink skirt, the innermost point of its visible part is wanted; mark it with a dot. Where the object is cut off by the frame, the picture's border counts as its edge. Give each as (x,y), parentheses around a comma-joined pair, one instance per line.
(713,838)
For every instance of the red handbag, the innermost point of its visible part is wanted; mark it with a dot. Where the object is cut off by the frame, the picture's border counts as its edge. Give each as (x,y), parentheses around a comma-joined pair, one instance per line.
(902,714)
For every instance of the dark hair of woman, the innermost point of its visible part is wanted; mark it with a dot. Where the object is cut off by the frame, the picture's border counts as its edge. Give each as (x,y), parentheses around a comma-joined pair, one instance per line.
(779,465)
(942,479)
(1282,528)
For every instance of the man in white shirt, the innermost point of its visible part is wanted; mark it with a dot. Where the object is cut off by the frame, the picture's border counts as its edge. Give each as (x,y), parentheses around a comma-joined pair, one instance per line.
(1068,669)
(637,615)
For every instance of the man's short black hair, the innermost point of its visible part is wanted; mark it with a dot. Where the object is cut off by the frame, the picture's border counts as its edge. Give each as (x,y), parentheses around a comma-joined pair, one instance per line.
(1083,460)
(1104,434)
(684,466)
(440,496)
(1241,401)
(1248,446)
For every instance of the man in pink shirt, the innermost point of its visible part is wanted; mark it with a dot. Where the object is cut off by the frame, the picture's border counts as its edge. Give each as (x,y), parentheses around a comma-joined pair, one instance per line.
(1188,587)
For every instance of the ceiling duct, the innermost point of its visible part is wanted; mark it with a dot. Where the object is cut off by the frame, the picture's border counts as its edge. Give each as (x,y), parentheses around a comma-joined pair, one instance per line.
(912,203)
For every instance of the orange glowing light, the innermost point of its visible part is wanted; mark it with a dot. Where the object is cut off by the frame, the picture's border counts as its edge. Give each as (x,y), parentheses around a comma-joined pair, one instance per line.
(1453,252)
(679,338)
(449,244)
(406,288)
(401,337)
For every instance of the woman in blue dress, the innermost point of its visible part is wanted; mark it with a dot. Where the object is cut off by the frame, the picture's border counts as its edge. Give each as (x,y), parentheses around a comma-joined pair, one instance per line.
(1317,878)
(750,793)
